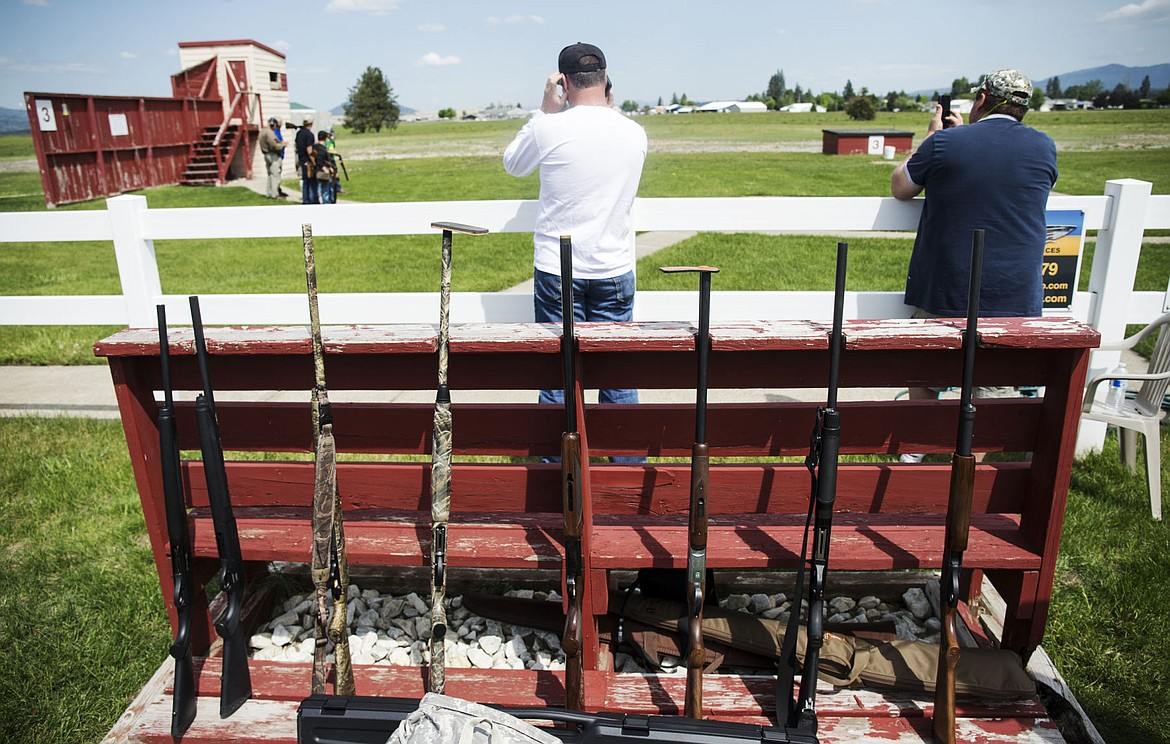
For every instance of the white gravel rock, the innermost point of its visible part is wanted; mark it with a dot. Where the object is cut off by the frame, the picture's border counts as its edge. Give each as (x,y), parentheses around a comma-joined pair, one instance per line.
(917,603)
(491,643)
(287,618)
(260,640)
(737,602)
(479,658)
(282,635)
(758,603)
(842,604)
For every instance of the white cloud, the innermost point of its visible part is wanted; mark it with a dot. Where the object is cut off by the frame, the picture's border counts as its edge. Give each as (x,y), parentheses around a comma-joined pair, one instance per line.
(1147,10)
(282,45)
(127,55)
(516,19)
(432,28)
(434,59)
(376,7)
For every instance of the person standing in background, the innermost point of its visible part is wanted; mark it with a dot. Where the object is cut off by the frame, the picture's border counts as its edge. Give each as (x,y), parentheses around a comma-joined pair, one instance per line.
(304,143)
(272,146)
(590,159)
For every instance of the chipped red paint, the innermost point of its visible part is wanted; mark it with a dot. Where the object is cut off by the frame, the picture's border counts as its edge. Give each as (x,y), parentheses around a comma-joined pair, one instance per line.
(507,514)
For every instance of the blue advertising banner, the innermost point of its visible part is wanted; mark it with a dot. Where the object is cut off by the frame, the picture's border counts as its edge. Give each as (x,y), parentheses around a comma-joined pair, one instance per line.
(1063,247)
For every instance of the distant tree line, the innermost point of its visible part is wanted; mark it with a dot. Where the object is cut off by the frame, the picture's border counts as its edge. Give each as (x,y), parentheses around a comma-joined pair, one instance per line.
(1122,96)
(372,104)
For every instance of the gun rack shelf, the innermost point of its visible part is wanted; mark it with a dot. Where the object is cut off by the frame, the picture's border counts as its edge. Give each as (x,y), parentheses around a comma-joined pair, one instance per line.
(506,513)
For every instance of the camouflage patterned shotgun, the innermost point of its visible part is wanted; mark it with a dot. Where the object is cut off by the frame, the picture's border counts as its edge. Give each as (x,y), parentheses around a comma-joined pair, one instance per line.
(236,683)
(329,566)
(697,527)
(441,450)
(958,513)
(183,710)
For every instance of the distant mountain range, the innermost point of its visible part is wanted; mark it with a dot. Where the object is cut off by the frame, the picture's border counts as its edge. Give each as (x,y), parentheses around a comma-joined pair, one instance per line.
(13,120)
(339,109)
(1109,75)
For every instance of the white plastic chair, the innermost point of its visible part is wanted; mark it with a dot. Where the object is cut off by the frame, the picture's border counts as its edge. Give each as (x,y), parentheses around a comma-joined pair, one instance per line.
(1144,413)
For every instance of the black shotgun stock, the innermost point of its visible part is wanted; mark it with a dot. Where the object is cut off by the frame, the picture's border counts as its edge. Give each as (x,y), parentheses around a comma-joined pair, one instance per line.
(236,684)
(571,494)
(183,711)
(958,513)
(441,453)
(697,521)
(325,719)
(821,462)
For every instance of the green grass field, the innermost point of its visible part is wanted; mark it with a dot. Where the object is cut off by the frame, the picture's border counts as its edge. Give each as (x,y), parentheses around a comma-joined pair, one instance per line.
(81,616)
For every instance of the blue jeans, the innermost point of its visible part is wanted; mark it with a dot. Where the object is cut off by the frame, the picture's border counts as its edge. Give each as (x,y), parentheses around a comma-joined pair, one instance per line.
(609,299)
(327,194)
(309,188)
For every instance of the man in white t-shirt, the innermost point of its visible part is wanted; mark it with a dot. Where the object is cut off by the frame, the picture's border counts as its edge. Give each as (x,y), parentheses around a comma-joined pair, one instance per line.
(590,159)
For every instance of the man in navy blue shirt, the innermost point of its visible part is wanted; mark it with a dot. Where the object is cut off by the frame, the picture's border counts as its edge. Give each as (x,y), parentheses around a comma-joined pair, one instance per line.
(995,173)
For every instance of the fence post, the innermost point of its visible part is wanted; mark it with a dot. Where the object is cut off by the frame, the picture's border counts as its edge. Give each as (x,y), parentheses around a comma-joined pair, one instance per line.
(137,265)
(1115,260)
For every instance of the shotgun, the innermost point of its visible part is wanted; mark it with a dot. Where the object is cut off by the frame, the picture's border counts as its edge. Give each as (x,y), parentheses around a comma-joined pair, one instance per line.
(236,684)
(183,711)
(824,446)
(571,494)
(958,513)
(441,452)
(697,527)
(328,532)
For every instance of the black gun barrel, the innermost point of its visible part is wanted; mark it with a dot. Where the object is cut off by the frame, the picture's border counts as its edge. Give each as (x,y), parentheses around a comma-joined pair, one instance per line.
(236,684)
(184,696)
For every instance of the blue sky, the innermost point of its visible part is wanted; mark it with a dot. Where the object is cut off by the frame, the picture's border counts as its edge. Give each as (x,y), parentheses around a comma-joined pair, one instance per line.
(464,54)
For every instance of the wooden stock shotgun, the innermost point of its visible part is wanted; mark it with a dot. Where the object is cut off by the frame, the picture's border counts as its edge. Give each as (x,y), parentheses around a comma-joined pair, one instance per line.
(571,494)
(441,452)
(958,513)
(697,521)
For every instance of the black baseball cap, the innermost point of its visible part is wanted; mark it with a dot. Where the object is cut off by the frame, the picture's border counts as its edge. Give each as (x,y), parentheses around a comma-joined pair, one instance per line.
(580,57)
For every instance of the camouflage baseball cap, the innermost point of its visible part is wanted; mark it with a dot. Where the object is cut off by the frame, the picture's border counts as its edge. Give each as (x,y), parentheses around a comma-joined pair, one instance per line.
(1010,84)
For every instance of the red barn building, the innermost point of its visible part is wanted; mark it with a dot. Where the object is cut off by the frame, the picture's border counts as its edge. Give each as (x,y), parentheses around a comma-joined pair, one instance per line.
(92,146)
(865,141)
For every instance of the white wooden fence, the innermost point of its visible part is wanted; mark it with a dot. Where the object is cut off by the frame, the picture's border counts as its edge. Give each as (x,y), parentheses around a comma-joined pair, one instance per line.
(1121,215)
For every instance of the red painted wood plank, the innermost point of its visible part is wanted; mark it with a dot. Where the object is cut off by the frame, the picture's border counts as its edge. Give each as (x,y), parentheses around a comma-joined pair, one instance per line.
(769,429)
(1049,333)
(643,335)
(390,539)
(901,333)
(731,695)
(773,335)
(658,489)
(860,542)
(377,428)
(844,715)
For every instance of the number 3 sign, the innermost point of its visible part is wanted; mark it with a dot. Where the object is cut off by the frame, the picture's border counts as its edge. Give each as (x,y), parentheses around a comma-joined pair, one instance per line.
(45,116)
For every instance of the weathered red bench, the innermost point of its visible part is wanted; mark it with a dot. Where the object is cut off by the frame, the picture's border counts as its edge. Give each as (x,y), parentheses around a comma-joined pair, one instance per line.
(889,515)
